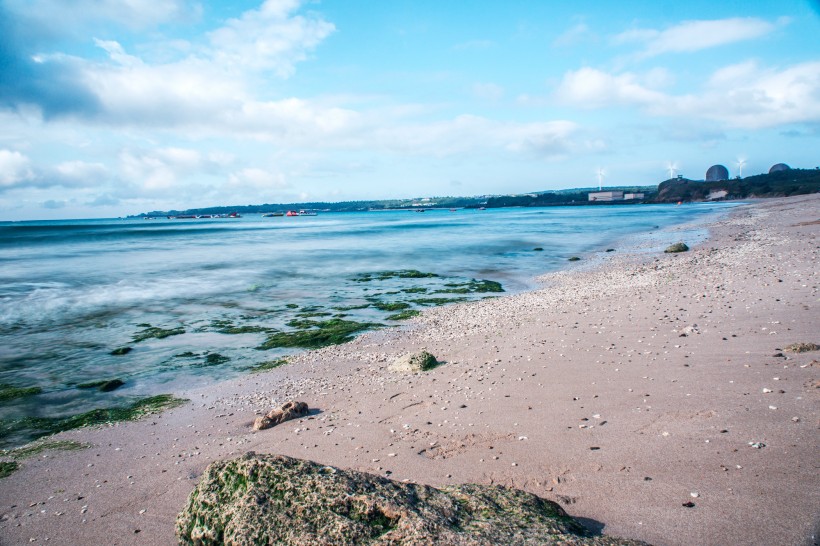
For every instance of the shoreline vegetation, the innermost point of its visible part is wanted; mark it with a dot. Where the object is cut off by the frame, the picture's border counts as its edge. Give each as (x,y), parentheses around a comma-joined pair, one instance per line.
(776,184)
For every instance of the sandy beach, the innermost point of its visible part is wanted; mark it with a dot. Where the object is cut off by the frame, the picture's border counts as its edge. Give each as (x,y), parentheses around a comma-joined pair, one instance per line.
(630,384)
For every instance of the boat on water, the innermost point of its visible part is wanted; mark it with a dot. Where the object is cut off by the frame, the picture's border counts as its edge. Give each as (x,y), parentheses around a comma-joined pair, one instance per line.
(292,213)
(308,213)
(272,214)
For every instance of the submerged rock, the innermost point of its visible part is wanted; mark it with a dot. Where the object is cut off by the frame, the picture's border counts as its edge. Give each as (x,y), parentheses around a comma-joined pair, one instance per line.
(273,499)
(677,247)
(289,410)
(414,362)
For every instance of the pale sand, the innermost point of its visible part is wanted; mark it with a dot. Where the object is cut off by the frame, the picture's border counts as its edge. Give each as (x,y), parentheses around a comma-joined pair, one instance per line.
(599,347)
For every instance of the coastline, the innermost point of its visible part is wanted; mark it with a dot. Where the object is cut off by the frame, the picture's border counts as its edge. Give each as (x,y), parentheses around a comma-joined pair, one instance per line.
(598,346)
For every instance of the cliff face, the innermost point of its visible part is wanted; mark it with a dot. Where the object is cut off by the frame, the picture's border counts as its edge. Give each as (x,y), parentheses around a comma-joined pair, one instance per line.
(273,499)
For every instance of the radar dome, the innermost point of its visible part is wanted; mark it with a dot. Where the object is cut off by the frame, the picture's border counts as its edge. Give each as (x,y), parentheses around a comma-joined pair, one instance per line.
(779,167)
(717,173)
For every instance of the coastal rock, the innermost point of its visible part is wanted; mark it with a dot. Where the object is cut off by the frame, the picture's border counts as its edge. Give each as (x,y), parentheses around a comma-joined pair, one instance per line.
(273,499)
(289,410)
(802,347)
(414,362)
(677,247)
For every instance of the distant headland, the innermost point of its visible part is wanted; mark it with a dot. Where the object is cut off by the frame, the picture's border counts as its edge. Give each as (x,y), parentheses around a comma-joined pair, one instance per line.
(780,181)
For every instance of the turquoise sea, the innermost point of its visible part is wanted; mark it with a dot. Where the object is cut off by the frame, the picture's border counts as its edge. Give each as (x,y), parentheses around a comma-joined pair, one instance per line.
(195,301)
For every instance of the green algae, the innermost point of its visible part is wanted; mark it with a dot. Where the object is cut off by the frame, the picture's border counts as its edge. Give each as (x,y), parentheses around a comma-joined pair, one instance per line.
(415,290)
(214,359)
(316,334)
(10,392)
(404,315)
(119,351)
(36,448)
(43,426)
(400,274)
(268,365)
(246,329)
(394,306)
(352,307)
(471,287)
(186,354)
(292,306)
(7,468)
(574,259)
(437,301)
(154,332)
(104,385)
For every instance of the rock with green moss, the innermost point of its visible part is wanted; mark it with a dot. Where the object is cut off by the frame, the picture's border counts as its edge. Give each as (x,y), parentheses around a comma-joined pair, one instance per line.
(119,351)
(574,259)
(10,392)
(273,499)
(268,365)
(105,385)
(154,332)
(802,347)
(414,362)
(677,247)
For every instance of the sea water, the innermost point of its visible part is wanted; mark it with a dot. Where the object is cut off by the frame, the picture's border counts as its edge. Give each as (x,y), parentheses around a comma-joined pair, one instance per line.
(72,292)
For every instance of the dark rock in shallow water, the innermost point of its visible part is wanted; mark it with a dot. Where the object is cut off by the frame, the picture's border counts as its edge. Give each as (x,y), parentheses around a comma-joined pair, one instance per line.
(677,247)
(273,499)
(103,386)
(574,259)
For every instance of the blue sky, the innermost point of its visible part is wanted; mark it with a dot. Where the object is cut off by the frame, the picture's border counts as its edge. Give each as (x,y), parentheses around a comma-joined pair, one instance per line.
(114,107)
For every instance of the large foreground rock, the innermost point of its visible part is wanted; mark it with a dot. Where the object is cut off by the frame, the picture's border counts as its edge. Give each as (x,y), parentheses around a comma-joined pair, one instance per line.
(273,499)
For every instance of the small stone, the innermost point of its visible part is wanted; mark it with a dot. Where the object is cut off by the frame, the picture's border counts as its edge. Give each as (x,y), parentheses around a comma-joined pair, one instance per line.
(688,504)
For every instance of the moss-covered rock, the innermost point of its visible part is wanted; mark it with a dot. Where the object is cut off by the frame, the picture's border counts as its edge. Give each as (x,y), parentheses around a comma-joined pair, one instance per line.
(119,351)
(414,362)
(104,385)
(10,392)
(154,332)
(802,347)
(677,247)
(574,259)
(273,499)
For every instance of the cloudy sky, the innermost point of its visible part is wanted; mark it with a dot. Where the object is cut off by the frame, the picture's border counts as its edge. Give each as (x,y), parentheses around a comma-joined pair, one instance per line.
(115,107)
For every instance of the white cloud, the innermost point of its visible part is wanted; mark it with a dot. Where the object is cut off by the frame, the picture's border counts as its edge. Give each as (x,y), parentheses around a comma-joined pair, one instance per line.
(269,38)
(160,170)
(257,179)
(744,95)
(14,168)
(591,88)
(691,36)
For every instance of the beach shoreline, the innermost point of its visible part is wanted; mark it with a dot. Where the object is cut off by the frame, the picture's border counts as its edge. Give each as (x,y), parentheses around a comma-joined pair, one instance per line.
(621,389)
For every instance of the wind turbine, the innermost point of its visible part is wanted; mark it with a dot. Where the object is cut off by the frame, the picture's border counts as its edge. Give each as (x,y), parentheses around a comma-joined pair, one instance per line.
(740,163)
(673,168)
(601,174)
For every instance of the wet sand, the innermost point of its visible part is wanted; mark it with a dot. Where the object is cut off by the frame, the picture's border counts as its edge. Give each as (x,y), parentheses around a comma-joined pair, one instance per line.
(630,384)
